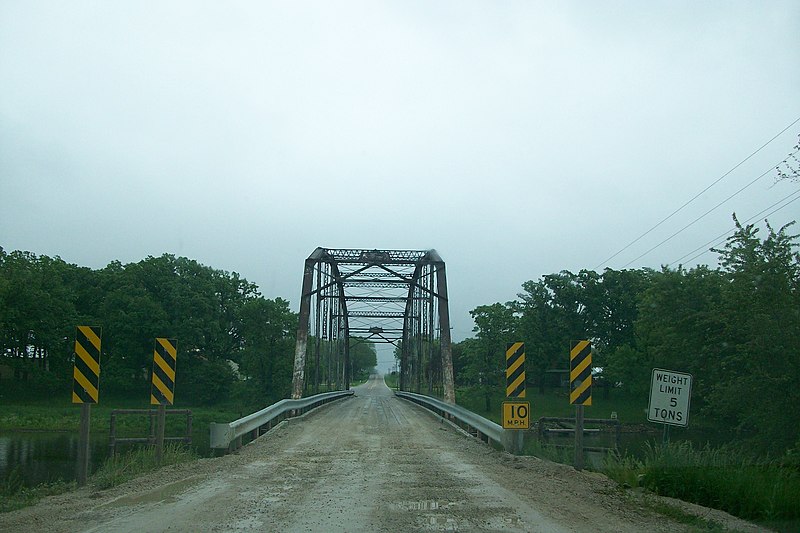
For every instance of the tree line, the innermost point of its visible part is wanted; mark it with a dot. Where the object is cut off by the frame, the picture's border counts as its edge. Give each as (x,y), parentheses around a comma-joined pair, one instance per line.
(735,328)
(232,341)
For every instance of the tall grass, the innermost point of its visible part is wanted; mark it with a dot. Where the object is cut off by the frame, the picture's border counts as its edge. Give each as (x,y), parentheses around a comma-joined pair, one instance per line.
(557,454)
(722,479)
(118,469)
(392,380)
(15,495)
(763,491)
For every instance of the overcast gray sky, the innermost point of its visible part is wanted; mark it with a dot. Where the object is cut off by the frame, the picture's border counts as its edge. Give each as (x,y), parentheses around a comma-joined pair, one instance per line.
(516,138)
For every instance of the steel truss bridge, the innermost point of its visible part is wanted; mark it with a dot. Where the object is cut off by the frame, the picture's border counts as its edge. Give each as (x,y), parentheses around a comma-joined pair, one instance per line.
(397,297)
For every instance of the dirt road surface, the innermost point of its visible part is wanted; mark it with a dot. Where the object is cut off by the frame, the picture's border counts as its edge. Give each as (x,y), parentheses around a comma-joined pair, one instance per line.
(371,463)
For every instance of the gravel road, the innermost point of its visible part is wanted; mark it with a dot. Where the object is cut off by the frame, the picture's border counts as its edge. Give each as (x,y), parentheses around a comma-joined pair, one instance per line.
(369,463)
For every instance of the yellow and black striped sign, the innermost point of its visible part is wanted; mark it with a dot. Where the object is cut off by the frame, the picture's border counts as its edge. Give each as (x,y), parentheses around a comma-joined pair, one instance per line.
(86,373)
(515,370)
(162,392)
(580,373)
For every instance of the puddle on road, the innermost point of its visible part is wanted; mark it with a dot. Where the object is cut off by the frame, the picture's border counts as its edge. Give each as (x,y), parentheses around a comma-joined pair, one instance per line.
(439,516)
(424,505)
(440,520)
(166,493)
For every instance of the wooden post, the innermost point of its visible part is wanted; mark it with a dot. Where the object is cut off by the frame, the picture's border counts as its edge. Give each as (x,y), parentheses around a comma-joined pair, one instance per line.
(579,437)
(112,444)
(160,423)
(83,445)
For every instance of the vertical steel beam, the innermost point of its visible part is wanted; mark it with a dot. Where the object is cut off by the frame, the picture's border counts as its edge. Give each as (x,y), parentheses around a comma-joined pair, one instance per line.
(431,332)
(444,324)
(317,339)
(298,376)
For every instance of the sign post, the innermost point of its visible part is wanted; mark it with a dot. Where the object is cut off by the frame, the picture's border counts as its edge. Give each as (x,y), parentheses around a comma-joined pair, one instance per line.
(580,386)
(86,388)
(516,413)
(162,391)
(670,395)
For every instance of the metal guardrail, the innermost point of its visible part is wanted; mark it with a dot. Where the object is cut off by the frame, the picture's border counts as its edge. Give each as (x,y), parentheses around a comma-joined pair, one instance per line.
(486,430)
(229,436)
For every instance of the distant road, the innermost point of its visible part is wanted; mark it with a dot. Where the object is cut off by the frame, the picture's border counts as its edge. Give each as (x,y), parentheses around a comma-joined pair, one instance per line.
(372,463)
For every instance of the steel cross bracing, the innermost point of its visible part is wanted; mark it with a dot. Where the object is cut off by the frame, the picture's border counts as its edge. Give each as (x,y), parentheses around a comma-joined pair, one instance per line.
(398,297)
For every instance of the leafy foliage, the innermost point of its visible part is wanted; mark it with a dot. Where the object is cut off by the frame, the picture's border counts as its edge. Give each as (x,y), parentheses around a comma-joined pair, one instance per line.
(735,328)
(218,318)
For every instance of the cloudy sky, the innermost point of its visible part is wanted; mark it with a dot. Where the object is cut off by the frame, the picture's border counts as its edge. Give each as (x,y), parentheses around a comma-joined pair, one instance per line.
(516,138)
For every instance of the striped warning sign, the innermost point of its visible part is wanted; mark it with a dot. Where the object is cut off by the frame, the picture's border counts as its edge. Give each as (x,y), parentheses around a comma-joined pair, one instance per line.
(162,391)
(580,373)
(86,373)
(515,370)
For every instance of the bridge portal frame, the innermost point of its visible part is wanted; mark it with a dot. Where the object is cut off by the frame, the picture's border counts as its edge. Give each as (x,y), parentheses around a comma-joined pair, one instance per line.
(417,280)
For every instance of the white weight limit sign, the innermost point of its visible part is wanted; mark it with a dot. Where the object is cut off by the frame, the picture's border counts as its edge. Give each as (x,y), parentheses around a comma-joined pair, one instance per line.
(670,395)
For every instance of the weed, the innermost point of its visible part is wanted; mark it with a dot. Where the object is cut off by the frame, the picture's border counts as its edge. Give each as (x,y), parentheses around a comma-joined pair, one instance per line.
(121,468)
(15,495)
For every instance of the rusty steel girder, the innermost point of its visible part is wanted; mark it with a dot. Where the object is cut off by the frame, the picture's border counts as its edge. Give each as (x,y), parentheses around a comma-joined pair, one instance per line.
(397,297)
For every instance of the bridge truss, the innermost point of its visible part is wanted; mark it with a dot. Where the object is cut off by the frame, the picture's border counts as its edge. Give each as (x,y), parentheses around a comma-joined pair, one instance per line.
(397,297)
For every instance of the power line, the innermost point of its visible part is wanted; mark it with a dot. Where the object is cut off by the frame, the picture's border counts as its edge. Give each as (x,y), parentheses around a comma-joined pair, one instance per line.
(757,215)
(746,222)
(698,219)
(640,237)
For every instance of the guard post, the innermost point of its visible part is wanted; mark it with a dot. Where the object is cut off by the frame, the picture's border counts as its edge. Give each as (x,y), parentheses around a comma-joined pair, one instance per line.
(580,387)
(162,390)
(86,388)
(516,413)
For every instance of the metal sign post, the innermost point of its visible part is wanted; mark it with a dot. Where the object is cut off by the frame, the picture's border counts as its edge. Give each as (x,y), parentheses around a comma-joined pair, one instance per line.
(516,414)
(162,391)
(580,386)
(86,388)
(83,445)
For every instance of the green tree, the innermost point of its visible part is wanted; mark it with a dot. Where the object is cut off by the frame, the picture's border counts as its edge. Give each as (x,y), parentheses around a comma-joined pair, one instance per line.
(495,326)
(761,313)
(37,318)
(363,357)
(267,329)
(678,328)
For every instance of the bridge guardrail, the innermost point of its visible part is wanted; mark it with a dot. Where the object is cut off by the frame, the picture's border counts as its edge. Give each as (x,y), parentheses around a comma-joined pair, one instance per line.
(486,429)
(229,436)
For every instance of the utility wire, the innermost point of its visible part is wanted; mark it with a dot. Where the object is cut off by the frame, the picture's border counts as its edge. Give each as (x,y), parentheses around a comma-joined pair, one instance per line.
(746,222)
(698,219)
(757,215)
(640,237)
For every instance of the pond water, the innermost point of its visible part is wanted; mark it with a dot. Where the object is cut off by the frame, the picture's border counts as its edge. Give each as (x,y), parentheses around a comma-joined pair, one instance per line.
(48,456)
(45,456)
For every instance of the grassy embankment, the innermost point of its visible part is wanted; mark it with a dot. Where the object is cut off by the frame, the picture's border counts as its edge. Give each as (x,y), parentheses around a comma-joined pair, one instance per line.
(35,414)
(766,491)
(28,414)
(115,470)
